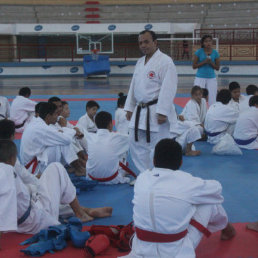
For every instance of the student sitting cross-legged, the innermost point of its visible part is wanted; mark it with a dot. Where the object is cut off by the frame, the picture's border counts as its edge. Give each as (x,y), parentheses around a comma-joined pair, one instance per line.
(220,118)
(246,130)
(105,151)
(173,210)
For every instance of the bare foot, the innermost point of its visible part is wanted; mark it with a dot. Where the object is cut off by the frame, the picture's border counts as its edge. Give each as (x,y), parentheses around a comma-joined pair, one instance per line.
(252,226)
(99,212)
(83,162)
(80,171)
(228,232)
(192,153)
(84,216)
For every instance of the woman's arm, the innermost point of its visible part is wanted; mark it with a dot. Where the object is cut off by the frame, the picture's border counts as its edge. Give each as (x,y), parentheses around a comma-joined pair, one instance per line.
(195,62)
(215,65)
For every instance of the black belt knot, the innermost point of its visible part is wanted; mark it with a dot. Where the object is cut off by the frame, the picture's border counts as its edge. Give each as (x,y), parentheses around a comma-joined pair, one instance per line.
(137,118)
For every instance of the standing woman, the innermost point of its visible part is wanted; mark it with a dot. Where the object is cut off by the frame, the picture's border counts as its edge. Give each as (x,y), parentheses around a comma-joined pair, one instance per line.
(206,60)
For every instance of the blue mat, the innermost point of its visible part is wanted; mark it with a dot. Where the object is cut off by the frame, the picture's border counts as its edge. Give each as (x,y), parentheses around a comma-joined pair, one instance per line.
(237,174)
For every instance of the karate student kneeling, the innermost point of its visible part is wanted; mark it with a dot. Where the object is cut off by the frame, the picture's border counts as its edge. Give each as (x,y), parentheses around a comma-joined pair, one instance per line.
(42,145)
(172,209)
(29,212)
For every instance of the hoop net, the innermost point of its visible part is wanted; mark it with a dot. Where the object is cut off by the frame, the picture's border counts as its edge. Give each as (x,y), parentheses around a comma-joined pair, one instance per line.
(95,54)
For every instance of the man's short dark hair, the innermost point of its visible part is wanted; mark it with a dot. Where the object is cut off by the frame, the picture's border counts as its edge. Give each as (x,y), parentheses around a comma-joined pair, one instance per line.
(251,89)
(54,99)
(168,154)
(253,101)
(38,106)
(46,109)
(25,91)
(8,150)
(103,119)
(233,86)
(205,93)
(153,34)
(7,129)
(195,89)
(223,96)
(91,104)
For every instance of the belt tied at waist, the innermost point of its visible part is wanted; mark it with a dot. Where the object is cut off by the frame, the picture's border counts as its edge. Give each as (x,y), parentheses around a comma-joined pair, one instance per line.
(137,118)
(213,134)
(155,237)
(104,179)
(20,125)
(244,142)
(25,215)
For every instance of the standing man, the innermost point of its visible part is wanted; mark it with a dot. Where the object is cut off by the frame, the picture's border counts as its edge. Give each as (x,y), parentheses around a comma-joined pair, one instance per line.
(149,103)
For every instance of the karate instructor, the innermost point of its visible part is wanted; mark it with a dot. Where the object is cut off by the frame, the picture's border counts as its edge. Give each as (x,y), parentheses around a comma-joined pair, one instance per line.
(150,99)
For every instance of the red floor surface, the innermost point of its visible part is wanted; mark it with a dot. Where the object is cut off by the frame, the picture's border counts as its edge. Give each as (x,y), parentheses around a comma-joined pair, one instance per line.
(244,245)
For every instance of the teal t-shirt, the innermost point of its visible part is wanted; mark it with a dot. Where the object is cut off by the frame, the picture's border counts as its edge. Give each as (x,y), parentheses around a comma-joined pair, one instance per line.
(206,71)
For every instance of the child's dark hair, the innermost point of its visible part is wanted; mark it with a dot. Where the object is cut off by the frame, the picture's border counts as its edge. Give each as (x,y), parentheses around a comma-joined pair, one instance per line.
(64,103)
(195,89)
(46,108)
(7,129)
(223,96)
(152,33)
(205,93)
(91,104)
(121,100)
(203,39)
(251,89)
(168,154)
(8,150)
(233,86)
(37,107)
(103,119)
(25,91)
(54,99)
(253,101)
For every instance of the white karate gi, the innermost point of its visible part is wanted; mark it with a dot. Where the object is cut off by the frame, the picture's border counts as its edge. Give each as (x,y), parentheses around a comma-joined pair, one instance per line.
(47,144)
(220,118)
(240,106)
(86,124)
(122,124)
(247,128)
(195,112)
(22,109)
(157,79)
(184,132)
(165,201)
(8,208)
(244,104)
(105,150)
(4,108)
(54,188)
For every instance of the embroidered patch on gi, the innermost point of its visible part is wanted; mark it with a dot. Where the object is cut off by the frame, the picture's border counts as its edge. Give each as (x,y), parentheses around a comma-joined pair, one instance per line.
(151,75)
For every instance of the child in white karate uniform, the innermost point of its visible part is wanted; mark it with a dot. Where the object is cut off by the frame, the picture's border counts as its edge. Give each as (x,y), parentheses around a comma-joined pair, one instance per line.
(121,122)
(86,122)
(4,108)
(195,109)
(237,99)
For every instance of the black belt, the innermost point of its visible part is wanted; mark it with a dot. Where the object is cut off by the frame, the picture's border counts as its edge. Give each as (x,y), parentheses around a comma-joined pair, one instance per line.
(21,125)
(25,215)
(137,118)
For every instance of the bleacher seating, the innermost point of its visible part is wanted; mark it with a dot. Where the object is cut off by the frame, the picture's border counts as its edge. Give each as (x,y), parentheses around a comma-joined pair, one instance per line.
(211,14)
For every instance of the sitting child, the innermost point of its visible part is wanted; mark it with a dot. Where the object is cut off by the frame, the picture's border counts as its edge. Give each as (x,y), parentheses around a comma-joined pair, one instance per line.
(185,133)
(120,115)
(251,90)
(237,99)
(86,122)
(4,108)
(195,109)
(105,151)
(246,130)
(220,118)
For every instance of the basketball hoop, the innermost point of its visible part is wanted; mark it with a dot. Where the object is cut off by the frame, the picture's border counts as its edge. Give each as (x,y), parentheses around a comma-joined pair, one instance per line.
(95,54)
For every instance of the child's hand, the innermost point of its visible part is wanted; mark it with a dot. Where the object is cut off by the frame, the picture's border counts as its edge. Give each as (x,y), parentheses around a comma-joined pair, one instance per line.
(78,134)
(181,118)
(161,119)
(129,115)
(62,122)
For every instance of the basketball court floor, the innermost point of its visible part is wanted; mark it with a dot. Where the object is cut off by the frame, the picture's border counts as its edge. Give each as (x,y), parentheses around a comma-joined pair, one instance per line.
(237,174)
